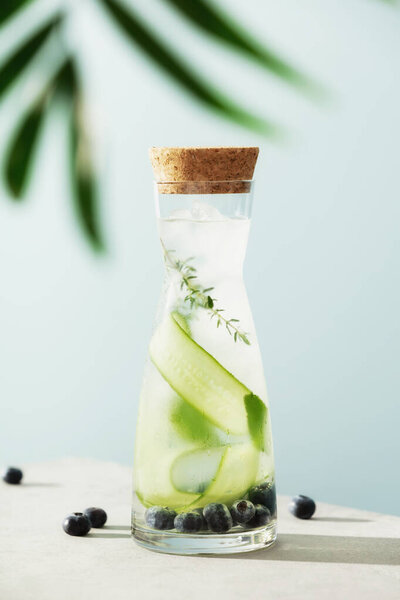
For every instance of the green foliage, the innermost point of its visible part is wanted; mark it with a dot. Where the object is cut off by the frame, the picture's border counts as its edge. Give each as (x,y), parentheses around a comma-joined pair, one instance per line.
(24,141)
(83,178)
(19,60)
(22,147)
(203,14)
(84,182)
(9,7)
(23,144)
(185,75)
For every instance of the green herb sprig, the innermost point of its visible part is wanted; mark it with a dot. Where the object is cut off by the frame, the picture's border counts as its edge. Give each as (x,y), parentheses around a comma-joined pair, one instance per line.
(197,296)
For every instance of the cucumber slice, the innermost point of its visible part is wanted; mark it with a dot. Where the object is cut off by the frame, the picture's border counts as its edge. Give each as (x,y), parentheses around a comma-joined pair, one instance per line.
(237,472)
(256,419)
(154,486)
(194,471)
(157,445)
(182,321)
(190,424)
(198,378)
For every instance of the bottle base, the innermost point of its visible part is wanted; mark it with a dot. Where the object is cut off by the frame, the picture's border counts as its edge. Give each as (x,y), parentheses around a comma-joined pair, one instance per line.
(206,543)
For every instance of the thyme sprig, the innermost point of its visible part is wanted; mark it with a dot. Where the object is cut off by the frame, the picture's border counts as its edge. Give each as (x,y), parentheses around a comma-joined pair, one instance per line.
(197,296)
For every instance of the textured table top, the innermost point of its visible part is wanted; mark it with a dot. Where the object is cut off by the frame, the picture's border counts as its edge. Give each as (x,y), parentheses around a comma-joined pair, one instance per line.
(340,553)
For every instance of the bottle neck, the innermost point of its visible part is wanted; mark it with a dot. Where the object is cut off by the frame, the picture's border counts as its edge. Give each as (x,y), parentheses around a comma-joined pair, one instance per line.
(207,251)
(204,206)
(209,229)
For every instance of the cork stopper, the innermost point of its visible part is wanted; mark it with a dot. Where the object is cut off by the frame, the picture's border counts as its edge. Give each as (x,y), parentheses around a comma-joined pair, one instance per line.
(224,170)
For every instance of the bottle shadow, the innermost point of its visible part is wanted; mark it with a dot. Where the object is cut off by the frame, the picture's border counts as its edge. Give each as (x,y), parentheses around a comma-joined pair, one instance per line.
(108,535)
(117,527)
(39,484)
(341,520)
(330,549)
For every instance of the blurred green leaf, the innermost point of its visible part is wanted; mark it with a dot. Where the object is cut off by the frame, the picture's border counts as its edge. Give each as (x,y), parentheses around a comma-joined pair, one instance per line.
(203,14)
(184,74)
(82,172)
(16,63)
(66,80)
(22,147)
(9,7)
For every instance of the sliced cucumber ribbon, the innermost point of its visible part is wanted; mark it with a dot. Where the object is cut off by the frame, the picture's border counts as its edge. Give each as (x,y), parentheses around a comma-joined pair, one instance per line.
(208,395)
(237,472)
(198,378)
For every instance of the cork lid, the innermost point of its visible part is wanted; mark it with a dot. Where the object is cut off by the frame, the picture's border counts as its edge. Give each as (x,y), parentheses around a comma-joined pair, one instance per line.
(223,170)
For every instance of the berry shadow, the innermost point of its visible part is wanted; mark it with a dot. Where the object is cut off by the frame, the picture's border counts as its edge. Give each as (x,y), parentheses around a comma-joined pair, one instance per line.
(330,549)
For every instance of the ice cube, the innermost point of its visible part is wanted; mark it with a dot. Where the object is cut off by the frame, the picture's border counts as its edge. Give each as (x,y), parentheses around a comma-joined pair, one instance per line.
(180,214)
(205,212)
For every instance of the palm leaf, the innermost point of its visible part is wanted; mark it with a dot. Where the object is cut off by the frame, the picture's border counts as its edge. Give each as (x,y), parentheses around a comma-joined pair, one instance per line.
(21,149)
(84,183)
(9,7)
(10,70)
(82,172)
(171,63)
(212,20)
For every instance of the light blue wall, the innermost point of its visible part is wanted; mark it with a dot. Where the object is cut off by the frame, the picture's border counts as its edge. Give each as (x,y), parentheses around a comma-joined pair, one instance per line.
(323,260)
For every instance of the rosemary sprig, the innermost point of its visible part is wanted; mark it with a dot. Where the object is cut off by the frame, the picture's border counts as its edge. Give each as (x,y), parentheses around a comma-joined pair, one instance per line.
(197,296)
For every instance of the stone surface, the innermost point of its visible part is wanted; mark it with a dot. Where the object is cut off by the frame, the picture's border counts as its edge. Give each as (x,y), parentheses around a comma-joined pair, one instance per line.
(340,553)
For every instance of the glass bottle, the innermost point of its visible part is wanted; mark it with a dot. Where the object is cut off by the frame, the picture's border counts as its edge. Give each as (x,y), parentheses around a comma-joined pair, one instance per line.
(204,468)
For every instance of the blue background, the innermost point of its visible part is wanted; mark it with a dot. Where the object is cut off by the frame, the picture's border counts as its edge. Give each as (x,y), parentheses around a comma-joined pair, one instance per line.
(323,260)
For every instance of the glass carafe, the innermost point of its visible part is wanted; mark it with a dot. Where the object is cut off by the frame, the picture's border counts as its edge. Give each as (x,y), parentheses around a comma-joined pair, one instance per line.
(204,469)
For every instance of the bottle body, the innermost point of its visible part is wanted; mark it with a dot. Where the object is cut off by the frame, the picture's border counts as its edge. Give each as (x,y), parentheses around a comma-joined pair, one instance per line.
(203,435)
